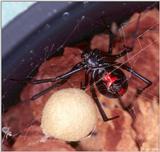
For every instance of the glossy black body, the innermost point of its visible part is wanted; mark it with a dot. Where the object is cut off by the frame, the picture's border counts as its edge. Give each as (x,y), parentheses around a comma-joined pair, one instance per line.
(99,65)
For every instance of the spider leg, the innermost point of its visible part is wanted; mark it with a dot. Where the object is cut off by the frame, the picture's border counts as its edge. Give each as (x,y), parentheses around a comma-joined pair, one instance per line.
(121,54)
(148,82)
(94,95)
(58,82)
(111,36)
(86,81)
(43,92)
(75,69)
(111,39)
(130,107)
(127,49)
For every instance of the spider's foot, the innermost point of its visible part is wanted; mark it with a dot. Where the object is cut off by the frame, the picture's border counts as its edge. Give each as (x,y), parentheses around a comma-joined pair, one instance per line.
(112,118)
(82,86)
(128,49)
(139,91)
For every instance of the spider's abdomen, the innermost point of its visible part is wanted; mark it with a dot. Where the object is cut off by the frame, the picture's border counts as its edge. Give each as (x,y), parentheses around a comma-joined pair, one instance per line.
(113,83)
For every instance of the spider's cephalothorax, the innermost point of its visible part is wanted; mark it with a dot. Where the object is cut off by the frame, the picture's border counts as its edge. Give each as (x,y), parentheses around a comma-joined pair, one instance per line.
(93,59)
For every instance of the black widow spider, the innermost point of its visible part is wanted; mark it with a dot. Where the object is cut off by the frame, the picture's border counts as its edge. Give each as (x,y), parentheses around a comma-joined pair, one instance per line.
(103,70)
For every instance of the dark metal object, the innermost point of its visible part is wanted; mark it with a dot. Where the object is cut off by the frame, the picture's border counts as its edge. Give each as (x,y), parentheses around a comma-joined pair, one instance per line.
(25,37)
